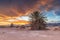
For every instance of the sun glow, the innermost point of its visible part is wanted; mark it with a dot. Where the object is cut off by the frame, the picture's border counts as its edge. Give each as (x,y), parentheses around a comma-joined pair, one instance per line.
(4,23)
(14,20)
(11,20)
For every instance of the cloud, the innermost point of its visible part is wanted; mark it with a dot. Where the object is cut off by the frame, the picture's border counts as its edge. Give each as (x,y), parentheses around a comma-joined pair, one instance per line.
(57,13)
(24,7)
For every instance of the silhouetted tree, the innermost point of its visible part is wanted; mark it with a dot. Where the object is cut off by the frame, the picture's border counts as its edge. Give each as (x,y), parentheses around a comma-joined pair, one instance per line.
(11,25)
(37,21)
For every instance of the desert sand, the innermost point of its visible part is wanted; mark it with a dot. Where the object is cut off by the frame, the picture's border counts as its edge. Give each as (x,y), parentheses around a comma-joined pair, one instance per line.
(14,34)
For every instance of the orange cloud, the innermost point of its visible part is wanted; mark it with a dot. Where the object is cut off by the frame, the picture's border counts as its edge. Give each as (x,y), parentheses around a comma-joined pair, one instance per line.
(17,9)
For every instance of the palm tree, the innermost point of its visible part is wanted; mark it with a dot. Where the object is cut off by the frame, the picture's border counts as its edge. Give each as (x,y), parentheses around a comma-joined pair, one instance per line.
(11,25)
(37,21)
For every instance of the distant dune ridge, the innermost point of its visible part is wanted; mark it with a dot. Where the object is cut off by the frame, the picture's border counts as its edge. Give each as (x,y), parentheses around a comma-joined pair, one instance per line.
(53,24)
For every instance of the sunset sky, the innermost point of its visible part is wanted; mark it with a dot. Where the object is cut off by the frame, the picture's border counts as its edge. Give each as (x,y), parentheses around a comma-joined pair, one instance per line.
(17,11)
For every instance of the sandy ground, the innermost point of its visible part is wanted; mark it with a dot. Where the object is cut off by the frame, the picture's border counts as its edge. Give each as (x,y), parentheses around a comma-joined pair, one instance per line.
(12,34)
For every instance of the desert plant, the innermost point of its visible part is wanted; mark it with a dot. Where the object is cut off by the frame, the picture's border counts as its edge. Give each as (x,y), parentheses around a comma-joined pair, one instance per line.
(37,21)
(11,25)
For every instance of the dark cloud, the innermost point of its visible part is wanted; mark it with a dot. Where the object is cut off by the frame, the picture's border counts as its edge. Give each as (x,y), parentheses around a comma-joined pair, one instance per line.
(57,13)
(26,5)
(56,2)
(18,7)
